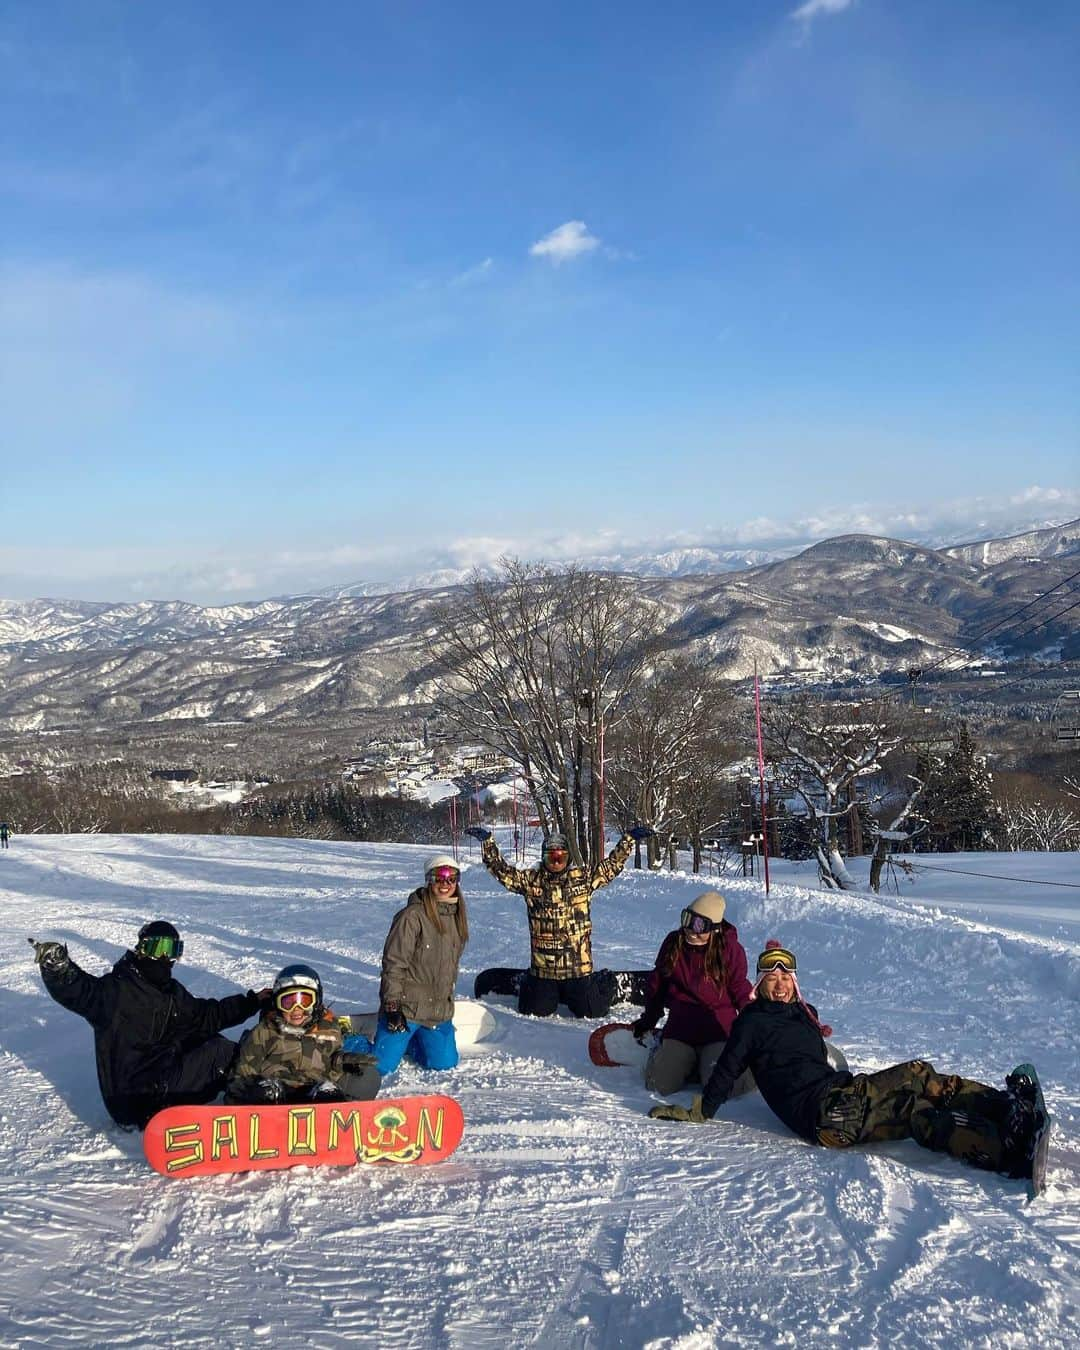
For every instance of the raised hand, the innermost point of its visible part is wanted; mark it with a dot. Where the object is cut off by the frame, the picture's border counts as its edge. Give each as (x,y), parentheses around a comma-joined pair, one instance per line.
(50,955)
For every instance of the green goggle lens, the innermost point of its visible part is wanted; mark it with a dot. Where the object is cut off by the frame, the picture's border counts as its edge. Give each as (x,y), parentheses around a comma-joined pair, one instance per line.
(172,949)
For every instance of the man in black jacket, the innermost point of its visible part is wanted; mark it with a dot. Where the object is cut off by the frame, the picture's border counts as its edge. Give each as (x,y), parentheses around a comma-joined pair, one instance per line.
(779,1038)
(156,1044)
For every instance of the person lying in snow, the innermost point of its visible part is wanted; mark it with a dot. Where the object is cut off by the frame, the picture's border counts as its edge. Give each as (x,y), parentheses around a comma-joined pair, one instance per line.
(295,1052)
(419,972)
(778,1037)
(156,1044)
(700,976)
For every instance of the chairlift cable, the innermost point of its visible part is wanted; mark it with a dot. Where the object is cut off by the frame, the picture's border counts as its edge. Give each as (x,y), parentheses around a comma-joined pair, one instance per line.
(992,876)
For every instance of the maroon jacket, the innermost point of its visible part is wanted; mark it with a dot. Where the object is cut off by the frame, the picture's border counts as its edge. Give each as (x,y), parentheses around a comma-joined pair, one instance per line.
(700,1010)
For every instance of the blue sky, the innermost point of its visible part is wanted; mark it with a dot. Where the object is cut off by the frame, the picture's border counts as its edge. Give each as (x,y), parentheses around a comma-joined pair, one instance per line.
(291,296)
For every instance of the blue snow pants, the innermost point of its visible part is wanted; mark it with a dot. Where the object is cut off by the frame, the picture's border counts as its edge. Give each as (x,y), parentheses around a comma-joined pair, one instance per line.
(429,1047)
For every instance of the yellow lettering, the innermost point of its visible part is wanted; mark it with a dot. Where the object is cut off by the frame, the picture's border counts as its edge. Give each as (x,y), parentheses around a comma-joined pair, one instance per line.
(223,1136)
(340,1123)
(424,1126)
(174,1139)
(301,1145)
(254,1151)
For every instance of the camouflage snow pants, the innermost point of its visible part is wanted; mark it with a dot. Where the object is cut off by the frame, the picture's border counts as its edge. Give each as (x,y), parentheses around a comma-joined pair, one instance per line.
(913,1101)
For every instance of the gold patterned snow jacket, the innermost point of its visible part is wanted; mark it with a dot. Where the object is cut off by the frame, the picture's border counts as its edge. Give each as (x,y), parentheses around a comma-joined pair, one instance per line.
(558,905)
(297,1056)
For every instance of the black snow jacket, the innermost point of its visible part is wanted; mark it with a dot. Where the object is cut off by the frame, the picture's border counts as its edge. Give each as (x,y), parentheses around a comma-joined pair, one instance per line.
(786,1054)
(141,1029)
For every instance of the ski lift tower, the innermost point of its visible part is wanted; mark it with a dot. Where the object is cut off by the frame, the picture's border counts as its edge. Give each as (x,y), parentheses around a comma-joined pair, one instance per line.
(1065,718)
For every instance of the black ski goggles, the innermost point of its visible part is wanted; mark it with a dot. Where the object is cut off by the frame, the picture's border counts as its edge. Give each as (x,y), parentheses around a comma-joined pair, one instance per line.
(776,958)
(158,948)
(699,924)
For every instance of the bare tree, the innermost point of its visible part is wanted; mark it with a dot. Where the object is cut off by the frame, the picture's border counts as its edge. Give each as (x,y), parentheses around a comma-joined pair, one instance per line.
(820,749)
(897,831)
(672,744)
(538,664)
(1040,826)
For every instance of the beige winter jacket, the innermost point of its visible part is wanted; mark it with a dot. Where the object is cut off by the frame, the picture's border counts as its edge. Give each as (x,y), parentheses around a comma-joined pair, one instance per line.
(420,963)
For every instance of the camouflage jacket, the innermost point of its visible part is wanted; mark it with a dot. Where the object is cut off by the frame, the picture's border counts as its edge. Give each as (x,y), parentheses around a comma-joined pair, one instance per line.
(420,963)
(558,905)
(297,1057)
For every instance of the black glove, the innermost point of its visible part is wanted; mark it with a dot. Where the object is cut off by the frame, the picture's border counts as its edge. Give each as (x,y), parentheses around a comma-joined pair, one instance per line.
(640,1029)
(478,832)
(50,955)
(263,997)
(639,832)
(668,1112)
(325,1092)
(354,1062)
(394,1018)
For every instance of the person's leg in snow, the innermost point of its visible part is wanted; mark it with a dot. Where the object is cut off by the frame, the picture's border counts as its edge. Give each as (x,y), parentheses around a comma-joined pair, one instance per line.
(589,995)
(435,1047)
(537,997)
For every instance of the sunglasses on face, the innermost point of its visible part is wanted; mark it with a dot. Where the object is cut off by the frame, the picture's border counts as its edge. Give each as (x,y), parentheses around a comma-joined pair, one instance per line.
(155,947)
(296,998)
(447,876)
(776,959)
(698,924)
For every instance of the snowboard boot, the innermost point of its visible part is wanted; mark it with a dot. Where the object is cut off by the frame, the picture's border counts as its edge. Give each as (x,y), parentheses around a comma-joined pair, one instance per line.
(1021,1126)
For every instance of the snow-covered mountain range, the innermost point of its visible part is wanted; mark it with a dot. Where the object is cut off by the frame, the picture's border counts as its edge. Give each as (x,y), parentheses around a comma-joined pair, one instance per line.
(857,604)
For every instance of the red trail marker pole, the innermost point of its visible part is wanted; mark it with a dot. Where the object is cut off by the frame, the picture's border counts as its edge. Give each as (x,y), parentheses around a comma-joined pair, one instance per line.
(761,779)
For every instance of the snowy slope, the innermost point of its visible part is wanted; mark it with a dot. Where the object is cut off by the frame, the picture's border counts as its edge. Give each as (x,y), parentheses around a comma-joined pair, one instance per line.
(566,1218)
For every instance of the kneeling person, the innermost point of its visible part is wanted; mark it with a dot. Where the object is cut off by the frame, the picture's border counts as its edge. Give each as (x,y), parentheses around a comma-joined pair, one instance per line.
(419,971)
(295,1053)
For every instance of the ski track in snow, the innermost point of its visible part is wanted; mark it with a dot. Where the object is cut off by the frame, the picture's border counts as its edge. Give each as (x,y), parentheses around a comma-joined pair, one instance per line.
(566,1218)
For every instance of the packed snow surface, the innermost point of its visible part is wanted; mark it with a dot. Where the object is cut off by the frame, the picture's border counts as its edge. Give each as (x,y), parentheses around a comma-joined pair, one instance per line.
(566,1218)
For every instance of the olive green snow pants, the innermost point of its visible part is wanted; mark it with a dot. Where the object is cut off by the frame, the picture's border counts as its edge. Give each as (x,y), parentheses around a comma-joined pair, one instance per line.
(913,1101)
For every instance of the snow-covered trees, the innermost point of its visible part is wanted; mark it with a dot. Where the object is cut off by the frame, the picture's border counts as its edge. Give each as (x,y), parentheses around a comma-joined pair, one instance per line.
(539,665)
(957,811)
(819,750)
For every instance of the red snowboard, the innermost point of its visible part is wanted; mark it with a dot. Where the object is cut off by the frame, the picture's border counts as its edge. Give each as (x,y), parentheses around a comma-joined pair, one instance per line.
(622,1049)
(191,1141)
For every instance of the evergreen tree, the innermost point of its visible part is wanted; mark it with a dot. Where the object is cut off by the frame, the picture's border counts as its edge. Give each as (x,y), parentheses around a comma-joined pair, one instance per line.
(957,806)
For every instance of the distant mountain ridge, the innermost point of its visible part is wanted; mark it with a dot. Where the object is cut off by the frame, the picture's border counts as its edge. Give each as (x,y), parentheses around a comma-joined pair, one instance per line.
(853,605)
(707,560)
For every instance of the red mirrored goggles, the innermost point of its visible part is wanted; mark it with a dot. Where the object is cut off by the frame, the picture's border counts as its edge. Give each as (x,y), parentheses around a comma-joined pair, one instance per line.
(296,998)
(448,876)
(557,855)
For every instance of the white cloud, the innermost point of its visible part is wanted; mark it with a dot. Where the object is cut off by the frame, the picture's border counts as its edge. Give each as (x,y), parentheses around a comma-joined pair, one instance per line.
(164,572)
(479,272)
(815,9)
(565,242)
